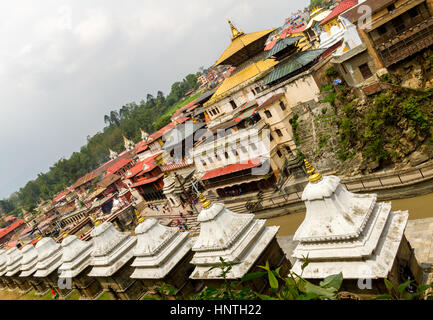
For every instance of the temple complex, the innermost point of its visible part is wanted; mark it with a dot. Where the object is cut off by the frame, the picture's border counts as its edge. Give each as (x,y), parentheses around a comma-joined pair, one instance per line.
(111,258)
(29,267)
(162,254)
(349,233)
(76,264)
(236,238)
(49,260)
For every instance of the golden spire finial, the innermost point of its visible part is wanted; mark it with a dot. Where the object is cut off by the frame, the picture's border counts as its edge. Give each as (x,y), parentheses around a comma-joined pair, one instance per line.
(22,244)
(205,202)
(38,236)
(95,220)
(235,32)
(65,233)
(139,216)
(313,175)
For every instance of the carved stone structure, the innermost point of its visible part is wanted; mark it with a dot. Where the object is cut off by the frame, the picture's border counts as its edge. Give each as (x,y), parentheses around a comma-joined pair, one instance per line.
(76,264)
(162,254)
(111,258)
(14,260)
(237,238)
(3,270)
(29,267)
(49,260)
(348,233)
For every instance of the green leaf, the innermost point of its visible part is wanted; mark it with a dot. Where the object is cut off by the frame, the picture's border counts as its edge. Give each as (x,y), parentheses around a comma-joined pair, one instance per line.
(328,293)
(308,296)
(333,281)
(402,287)
(388,285)
(273,282)
(265,297)
(253,275)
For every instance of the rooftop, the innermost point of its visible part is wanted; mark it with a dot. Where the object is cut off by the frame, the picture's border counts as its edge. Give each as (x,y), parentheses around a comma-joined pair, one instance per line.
(342,7)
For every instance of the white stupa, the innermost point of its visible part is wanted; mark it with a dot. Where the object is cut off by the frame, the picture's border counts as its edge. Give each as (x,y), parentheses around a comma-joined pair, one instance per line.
(346,232)
(77,256)
(232,236)
(3,263)
(159,249)
(129,145)
(30,260)
(111,249)
(49,256)
(14,259)
(144,135)
(113,154)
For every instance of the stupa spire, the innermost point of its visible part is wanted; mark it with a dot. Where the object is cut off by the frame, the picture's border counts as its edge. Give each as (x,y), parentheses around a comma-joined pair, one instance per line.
(235,32)
(313,175)
(139,216)
(205,202)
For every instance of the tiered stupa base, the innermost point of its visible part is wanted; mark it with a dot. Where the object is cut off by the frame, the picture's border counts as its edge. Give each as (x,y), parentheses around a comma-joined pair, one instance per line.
(276,258)
(88,288)
(3,285)
(52,282)
(10,284)
(38,285)
(22,284)
(178,277)
(121,286)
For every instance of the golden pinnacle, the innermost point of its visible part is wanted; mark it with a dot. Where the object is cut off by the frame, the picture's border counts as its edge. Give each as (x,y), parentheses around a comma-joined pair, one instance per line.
(38,236)
(65,233)
(313,175)
(139,216)
(22,244)
(96,221)
(205,202)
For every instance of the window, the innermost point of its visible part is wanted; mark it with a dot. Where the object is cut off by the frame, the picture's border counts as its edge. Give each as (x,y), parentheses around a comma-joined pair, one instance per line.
(218,157)
(283,107)
(278,131)
(413,13)
(268,114)
(210,160)
(252,90)
(203,163)
(235,152)
(382,30)
(365,71)
(253,146)
(279,153)
(226,155)
(271,137)
(244,150)
(234,106)
(288,150)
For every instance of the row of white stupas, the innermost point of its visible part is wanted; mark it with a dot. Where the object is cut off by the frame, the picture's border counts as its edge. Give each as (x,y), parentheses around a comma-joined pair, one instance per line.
(342,232)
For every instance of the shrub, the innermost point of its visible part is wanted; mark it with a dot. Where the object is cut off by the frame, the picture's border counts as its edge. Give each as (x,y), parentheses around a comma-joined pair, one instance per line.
(332,73)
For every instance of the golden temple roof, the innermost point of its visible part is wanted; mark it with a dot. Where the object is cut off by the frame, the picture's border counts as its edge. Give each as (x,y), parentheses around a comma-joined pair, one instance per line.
(240,41)
(248,73)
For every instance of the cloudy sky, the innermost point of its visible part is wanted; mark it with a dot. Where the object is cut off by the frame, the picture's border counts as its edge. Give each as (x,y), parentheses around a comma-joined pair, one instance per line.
(65,64)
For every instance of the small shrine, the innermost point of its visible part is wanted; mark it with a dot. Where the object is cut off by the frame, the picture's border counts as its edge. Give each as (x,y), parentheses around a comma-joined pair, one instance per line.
(111,258)
(129,145)
(29,267)
(3,270)
(349,233)
(49,260)
(76,264)
(237,238)
(113,154)
(162,254)
(14,261)
(144,135)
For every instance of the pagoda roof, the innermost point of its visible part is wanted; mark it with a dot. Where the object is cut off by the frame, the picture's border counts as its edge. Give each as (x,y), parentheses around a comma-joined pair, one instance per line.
(243,47)
(147,181)
(282,45)
(248,73)
(342,7)
(295,63)
(231,169)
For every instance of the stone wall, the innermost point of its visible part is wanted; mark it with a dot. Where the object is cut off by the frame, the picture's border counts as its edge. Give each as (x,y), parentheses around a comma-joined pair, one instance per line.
(318,134)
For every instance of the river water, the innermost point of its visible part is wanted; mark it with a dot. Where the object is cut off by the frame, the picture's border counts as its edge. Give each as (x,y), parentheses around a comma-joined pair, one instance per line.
(418,207)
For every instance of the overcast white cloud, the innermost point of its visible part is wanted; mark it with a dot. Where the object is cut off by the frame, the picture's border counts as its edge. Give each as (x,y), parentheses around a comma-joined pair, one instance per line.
(64,64)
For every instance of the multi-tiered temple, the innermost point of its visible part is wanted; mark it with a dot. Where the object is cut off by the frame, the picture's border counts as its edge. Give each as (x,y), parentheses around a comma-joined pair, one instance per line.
(111,258)
(237,238)
(348,233)
(162,254)
(29,267)
(76,264)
